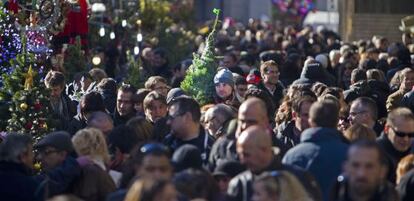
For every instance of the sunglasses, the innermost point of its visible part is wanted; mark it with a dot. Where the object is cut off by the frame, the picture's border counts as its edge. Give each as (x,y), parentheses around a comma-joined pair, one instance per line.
(402,134)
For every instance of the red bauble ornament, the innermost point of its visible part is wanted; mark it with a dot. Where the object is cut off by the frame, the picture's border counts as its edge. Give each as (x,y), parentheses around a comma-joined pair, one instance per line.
(37,106)
(29,125)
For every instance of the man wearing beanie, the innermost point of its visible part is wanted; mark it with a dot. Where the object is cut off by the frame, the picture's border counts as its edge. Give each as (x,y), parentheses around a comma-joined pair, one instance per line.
(224,83)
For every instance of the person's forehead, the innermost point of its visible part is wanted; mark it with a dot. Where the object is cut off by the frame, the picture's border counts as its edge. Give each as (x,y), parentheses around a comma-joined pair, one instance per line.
(251,111)
(401,123)
(356,106)
(124,95)
(364,155)
(156,160)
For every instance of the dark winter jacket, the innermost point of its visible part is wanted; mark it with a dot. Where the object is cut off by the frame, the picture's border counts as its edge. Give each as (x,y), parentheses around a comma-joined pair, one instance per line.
(109,98)
(408,100)
(321,152)
(17,184)
(62,118)
(406,186)
(203,142)
(393,155)
(77,123)
(241,187)
(59,179)
(118,120)
(277,95)
(285,133)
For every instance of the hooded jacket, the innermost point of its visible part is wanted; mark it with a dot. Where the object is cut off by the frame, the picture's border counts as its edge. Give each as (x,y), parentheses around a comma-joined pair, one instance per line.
(322,152)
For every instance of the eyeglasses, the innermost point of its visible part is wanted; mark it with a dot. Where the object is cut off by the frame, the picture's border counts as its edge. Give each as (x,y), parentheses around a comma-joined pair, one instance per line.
(154,148)
(46,152)
(272,72)
(357,113)
(402,134)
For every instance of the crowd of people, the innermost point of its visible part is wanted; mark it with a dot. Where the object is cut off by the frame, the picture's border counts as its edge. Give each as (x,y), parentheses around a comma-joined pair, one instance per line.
(297,115)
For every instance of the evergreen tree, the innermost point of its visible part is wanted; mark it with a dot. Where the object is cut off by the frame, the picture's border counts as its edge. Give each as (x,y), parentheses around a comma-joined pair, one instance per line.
(199,79)
(10,44)
(75,60)
(25,97)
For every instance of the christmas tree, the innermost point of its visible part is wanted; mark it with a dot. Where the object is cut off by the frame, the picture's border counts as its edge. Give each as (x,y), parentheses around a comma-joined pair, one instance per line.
(75,60)
(10,44)
(25,97)
(199,79)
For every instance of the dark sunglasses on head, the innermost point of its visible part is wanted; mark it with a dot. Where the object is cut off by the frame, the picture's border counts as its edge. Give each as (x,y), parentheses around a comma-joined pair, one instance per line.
(403,134)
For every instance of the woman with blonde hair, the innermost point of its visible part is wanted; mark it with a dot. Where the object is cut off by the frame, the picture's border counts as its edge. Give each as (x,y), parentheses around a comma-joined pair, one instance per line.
(95,182)
(279,186)
(151,190)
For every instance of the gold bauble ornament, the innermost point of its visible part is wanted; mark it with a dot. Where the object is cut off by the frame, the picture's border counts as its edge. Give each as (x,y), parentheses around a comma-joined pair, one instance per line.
(24,106)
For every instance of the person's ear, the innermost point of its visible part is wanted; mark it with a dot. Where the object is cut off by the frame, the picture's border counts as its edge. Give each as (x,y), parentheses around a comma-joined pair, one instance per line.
(311,123)
(386,129)
(294,114)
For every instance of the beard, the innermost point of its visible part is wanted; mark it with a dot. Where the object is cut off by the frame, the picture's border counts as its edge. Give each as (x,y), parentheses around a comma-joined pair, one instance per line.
(362,187)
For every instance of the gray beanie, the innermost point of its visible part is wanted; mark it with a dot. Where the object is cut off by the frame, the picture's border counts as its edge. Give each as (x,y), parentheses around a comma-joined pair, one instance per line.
(224,76)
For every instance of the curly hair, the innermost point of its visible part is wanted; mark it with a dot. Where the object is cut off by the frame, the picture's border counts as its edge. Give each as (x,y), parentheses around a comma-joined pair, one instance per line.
(91,142)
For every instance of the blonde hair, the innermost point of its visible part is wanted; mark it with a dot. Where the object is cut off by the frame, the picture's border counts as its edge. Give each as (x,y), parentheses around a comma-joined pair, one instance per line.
(91,142)
(358,132)
(406,164)
(145,189)
(284,186)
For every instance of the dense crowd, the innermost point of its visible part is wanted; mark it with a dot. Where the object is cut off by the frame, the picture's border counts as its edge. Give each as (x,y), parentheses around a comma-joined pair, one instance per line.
(297,115)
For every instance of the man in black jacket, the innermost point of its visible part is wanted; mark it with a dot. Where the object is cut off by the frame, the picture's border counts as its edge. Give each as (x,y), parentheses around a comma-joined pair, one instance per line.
(64,109)
(254,147)
(270,83)
(397,139)
(124,106)
(16,162)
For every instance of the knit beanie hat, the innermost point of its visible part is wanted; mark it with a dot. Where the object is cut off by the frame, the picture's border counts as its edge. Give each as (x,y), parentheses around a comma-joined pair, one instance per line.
(224,76)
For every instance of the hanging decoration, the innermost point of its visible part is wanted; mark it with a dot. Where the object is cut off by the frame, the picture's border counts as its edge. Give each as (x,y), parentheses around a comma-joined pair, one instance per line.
(38,41)
(297,8)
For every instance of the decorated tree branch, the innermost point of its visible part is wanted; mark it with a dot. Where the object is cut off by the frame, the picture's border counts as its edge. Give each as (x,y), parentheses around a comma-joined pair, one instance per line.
(199,79)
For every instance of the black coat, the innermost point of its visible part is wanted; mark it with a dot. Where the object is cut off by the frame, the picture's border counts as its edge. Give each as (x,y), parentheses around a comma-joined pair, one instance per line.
(277,95)
(406,186)
(285,133)
(17,184)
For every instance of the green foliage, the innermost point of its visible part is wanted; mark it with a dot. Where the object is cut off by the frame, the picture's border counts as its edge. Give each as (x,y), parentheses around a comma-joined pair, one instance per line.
(199,79)
(134,76)
(75,60)
(28,108)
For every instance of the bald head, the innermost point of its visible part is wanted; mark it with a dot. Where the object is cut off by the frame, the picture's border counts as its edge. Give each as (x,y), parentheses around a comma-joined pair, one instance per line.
(254,147)
(256,136)
(252,112)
